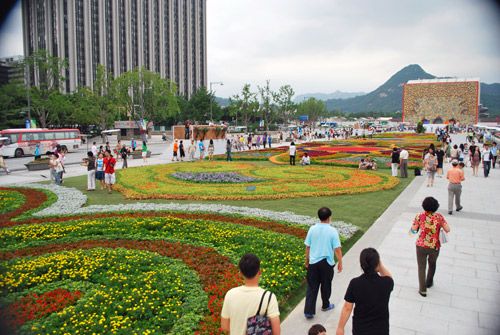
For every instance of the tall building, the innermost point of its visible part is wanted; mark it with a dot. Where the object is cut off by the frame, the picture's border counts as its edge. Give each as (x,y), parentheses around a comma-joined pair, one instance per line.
(164,36)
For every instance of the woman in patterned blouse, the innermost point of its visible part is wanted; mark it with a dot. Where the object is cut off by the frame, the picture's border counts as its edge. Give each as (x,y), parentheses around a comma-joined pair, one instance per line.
(429,223)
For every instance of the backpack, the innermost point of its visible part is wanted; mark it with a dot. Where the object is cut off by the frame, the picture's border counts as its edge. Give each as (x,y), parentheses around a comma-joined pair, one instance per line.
(260,324)
(432,163)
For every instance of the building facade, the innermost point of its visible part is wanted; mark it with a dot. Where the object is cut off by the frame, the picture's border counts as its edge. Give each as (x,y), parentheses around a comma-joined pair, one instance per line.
(11,70)
(164,36)
(438,101)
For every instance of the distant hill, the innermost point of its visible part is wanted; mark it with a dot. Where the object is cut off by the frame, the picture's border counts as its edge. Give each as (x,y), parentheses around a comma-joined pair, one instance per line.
(328,96)
(223,102)
(387,98)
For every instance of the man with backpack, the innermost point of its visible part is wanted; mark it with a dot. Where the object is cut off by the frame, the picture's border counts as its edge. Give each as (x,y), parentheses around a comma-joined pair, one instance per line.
(249,307)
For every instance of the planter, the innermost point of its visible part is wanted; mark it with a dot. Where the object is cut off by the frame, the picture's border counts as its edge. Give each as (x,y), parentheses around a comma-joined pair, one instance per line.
(37,166)
(138,154)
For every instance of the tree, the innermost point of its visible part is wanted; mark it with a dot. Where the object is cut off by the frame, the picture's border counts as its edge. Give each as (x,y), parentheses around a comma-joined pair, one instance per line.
(313,108)
(47,69)
(266,104)
(284,103)
(12,103)
(143,94)
(244,105)
(199,106)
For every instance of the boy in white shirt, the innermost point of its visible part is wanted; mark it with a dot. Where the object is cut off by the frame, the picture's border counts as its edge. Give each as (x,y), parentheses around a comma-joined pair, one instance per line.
(242,302)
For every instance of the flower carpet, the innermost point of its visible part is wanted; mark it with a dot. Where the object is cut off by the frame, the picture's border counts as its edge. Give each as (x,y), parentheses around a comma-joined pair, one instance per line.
(150,272)
(273,182)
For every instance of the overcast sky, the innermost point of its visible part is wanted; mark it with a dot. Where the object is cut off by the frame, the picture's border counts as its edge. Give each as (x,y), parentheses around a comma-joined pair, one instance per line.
(328,45)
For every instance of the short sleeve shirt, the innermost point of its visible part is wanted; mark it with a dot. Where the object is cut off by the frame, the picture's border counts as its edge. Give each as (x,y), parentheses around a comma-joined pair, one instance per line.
(322,240)
(242,302)
(109,165)
(429,226)
(370,295)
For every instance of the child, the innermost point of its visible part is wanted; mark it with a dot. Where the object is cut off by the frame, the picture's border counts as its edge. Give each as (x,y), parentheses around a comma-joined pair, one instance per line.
(176,148)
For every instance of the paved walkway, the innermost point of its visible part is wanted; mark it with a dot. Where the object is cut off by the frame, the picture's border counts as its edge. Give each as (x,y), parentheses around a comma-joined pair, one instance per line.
(465,298)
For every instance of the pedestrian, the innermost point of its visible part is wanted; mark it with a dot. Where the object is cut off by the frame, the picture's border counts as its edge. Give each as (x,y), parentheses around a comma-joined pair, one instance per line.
(486,157)
(293,152)
(124,154)
(369,294)
(52,165)
(244,302)
(144,152)
(211,149)
(90,164)
(109,171)
(269,141)
(3,165)
(99,167)
(454,152)
(494,153)
(322,242)
(317,329)
(228,151)
(133,144)
(430,166)
(59,169)
(182,154)
(428,225)
(306,160)
(475,159)
(175,150)
(455,177)
(107,147)
(264,140)
(394,161)
(37,151)
(192,150)
(94,149)
(201,147)
(403,163)
(440,159)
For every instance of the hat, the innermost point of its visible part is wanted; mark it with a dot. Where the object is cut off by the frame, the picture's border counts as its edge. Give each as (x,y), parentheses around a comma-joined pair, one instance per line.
(454,162)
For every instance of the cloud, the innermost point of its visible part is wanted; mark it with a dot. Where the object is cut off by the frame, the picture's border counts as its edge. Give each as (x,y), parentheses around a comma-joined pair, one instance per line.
(348,45)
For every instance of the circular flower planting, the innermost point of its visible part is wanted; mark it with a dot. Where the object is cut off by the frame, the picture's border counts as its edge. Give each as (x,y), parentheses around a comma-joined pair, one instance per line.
(275,182)
(213,177)
(10,200)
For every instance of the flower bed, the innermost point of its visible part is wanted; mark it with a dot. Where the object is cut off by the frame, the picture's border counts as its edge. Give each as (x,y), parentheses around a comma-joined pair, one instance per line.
(215,177)
(276,182)
(10,200)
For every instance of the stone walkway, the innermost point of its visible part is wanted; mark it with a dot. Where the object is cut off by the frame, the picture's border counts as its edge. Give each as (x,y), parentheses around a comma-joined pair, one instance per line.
(465,298)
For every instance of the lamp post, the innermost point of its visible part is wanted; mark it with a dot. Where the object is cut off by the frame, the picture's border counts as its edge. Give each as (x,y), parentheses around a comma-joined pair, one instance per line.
(211,95)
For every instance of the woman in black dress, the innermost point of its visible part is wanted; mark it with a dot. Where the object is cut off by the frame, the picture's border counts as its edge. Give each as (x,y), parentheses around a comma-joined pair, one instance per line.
(440,158)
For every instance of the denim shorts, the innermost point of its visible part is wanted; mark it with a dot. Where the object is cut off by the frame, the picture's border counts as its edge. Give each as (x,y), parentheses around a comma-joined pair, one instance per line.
(99,175)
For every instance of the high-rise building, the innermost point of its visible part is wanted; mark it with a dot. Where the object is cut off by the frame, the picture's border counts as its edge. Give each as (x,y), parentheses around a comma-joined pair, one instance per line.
(164,36)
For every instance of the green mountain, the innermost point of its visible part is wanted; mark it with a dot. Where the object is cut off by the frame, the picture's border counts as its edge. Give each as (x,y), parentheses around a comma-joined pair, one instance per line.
(388,97)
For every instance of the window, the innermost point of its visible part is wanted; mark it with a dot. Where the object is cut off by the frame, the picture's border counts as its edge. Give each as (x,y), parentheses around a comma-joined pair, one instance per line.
(50,136)
(60,135)
(13,138)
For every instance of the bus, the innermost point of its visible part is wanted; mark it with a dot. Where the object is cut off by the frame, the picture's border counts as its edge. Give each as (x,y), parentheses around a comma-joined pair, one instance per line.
(20,142)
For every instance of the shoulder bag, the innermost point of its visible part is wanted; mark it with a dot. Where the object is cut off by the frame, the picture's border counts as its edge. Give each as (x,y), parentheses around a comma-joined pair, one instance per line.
(260,324)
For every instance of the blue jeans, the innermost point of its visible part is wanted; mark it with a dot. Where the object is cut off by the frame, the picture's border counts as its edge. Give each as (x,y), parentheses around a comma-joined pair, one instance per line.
(58,178)
(486,167)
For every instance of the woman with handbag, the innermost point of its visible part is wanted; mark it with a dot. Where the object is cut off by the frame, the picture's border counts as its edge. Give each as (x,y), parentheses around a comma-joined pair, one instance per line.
(430,226)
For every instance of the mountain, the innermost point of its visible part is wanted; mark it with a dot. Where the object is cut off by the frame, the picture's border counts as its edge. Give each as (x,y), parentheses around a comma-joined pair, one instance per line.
(386,98)
(490,97)
(327,96)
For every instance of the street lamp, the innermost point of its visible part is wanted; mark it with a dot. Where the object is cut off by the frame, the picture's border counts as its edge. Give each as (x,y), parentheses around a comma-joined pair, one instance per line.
(211,95)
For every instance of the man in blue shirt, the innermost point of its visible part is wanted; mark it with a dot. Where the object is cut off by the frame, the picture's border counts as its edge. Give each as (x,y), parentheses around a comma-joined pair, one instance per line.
(322,241)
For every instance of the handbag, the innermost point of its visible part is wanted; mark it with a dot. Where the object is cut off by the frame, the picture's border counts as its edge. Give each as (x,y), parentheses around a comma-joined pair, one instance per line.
(260,324)
(443,237)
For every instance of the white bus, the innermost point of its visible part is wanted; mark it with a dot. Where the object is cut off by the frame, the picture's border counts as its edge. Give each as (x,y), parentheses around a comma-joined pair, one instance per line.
(22,142)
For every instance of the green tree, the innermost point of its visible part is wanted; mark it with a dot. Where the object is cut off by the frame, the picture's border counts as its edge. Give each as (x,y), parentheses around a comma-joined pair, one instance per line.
(245,105)
(267,110)
(199,106)
(143,94)
(47,69)
(313,108)
(13,103)
(285,106)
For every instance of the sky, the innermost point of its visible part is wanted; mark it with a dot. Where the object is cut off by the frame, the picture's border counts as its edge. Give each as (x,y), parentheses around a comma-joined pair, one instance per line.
(329,45)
